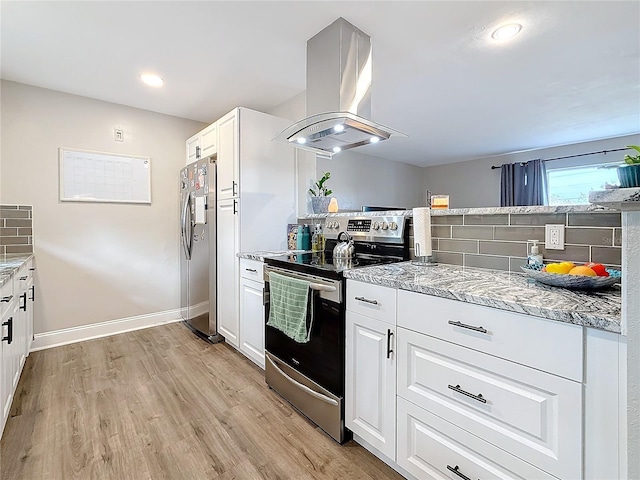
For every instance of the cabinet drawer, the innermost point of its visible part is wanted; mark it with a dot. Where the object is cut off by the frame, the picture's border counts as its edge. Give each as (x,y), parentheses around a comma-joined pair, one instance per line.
(536,342)
(251,270)
(430,447)
(373,301)
(531,414)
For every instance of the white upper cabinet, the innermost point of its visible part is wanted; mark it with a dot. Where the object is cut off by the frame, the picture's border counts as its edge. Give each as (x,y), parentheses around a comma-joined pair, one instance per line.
(228,162)
(203,144)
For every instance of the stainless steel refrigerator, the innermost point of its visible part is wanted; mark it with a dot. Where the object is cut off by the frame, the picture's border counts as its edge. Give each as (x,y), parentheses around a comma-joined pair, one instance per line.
(198,248)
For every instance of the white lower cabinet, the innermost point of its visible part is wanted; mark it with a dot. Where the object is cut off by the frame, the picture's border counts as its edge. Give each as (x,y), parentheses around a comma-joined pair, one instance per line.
(432,448)
(480,392)
(531,414)
(227,270)
(252,320)
(370,393)
(9,363)
(16,333)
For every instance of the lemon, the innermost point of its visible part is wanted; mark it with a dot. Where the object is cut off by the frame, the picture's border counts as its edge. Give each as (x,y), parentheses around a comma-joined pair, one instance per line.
(562,268)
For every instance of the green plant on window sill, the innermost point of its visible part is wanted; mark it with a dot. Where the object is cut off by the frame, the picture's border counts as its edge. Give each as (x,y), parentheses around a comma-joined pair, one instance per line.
(633,159)
(322,191)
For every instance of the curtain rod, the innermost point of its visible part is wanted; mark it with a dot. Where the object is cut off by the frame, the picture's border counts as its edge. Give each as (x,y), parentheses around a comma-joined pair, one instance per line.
(493,167)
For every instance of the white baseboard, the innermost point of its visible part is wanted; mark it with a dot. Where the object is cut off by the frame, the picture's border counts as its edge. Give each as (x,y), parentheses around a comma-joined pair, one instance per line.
(65,336)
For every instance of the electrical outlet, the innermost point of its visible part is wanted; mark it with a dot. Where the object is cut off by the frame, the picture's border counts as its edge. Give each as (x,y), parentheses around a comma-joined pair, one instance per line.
(554,237)
(118,135)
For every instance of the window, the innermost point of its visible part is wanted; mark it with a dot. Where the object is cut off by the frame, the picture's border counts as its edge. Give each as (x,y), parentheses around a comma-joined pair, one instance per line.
(571,186)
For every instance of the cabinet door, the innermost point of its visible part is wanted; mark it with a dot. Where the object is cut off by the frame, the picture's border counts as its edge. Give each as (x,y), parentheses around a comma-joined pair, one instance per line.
(20,330)
(227,269)
(370,395)
(252,320)
(31,294)
(209,141)
(193,148)
(228,156)
(8,363)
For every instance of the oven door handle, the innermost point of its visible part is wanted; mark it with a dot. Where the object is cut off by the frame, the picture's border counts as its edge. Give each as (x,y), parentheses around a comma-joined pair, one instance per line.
(322,288)
(311,392)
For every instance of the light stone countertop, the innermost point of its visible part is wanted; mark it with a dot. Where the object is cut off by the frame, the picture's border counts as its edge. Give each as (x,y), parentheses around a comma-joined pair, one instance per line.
(620,198)
(509,291)
(260,255)
(468,211)
(10,263)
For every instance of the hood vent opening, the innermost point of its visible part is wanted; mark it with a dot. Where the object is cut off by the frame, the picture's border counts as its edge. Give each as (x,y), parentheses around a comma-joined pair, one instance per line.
(338,97)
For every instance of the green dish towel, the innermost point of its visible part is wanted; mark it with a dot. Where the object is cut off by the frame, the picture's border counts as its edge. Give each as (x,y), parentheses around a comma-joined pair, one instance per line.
(288,312)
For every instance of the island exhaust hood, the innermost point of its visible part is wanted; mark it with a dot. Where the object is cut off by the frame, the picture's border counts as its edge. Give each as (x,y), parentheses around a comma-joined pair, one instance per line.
(338,97)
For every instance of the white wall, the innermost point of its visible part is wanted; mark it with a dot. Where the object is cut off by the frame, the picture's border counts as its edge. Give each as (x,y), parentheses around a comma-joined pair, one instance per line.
(95,262)
(358,180)
(474,184)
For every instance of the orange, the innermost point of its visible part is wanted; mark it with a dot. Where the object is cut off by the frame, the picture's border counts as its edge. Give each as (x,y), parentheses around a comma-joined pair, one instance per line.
(582,270)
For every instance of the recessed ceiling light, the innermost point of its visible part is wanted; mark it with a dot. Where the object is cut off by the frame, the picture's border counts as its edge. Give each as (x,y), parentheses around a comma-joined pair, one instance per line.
(374,139)
(301,140)
(506,32)
(336,149)
(338,128)
(152,80)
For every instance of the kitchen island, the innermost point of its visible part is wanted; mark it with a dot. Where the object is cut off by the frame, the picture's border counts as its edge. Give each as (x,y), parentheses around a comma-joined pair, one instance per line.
(484,373)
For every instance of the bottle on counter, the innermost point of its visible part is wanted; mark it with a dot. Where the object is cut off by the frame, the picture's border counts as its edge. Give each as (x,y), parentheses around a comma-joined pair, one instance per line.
(317,239)
(535,257)
(304,238)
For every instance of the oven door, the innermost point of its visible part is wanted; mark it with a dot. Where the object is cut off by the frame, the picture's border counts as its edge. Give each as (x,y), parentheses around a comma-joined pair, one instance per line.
(321,359)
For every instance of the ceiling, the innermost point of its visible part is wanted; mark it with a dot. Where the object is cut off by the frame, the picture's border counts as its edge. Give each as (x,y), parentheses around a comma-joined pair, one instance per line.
(571,75)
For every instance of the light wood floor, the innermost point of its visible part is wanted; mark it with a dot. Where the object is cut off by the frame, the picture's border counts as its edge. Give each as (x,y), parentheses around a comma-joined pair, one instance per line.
(162,403)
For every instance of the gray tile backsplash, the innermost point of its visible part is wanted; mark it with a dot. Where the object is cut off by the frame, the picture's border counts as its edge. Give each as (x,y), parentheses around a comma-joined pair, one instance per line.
(16,229)
(500,241)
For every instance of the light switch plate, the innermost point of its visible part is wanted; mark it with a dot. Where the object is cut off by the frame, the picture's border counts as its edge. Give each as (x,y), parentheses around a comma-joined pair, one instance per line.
(554,237)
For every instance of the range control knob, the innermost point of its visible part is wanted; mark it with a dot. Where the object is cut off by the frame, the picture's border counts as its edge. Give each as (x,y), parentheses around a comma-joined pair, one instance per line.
(384,226)
(336,224)
(376,226)
(393,225)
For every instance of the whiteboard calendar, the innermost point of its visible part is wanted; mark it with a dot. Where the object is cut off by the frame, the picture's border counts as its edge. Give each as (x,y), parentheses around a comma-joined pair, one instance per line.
(87,176)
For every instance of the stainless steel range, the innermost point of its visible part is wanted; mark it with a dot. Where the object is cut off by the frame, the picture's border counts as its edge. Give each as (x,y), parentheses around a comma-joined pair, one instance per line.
(311,375)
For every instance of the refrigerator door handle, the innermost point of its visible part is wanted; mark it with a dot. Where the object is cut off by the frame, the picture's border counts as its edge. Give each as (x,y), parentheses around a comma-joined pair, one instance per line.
(185,244)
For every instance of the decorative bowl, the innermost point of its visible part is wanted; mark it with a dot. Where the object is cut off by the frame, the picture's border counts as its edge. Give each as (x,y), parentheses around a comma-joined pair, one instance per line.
(576,282)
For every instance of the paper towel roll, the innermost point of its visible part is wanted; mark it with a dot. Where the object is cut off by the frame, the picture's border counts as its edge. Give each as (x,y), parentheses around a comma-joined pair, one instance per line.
(422,231)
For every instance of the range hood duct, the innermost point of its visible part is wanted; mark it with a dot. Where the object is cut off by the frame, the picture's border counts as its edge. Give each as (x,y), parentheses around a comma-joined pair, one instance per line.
(338,97)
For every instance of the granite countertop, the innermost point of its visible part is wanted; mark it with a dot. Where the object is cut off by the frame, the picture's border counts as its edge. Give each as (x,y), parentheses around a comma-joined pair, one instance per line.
(619,198)
(260,255)
(10,263)
(510,291)
(468,211)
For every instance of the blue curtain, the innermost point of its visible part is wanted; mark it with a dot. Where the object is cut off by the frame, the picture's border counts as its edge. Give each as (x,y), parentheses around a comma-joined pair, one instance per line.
(523,184)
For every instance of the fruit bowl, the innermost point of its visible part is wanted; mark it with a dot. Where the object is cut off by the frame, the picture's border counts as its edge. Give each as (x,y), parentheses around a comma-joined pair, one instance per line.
(577,282)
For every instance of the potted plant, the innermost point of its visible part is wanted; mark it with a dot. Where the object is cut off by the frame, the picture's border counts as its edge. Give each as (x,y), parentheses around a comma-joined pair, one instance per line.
(629,174)
(320,198)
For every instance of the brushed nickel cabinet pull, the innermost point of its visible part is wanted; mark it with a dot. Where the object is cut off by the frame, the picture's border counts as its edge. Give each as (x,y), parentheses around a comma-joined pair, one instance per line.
(457,472)
(366,300)
(469,327)
(478,397)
